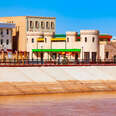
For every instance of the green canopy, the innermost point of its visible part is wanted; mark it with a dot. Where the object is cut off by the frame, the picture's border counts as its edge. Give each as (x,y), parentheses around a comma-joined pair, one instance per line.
(56,50)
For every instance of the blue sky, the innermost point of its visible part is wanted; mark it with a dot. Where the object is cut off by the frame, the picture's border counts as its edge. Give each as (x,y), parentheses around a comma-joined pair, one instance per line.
(71,15)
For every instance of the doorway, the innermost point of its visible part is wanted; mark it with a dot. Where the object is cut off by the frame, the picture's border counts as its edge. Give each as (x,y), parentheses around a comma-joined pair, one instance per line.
(86,57)
(94,54)
(41,56)
(76,57)
(115,59)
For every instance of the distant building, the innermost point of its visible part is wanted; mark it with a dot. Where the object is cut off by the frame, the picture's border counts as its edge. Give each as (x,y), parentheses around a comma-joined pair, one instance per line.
(6,38)
(28,26)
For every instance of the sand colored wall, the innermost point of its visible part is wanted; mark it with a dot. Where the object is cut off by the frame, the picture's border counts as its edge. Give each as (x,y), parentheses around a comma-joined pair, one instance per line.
(39,80)
(72,44)
(19,33)
(34,45)
(111,48)
(102,50)
(23,28)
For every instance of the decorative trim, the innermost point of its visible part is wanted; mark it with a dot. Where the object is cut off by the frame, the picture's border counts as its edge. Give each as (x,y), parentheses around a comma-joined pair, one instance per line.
(35,34)
(71,33)
(89,32)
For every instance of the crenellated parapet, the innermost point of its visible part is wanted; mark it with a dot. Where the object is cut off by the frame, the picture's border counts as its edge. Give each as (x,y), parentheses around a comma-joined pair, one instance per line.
(48,33)
(89,32)
(35,33)
(71,33)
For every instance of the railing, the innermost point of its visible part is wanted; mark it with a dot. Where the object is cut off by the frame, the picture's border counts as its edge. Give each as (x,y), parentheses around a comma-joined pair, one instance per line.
(55,62)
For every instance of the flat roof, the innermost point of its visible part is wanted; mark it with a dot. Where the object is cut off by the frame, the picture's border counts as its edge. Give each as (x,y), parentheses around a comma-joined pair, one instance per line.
(41,17)
(78,35)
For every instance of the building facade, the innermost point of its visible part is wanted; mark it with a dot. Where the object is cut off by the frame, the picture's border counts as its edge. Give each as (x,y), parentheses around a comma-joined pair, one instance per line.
(26,26)
(6,45)
(89,45)
(34,37)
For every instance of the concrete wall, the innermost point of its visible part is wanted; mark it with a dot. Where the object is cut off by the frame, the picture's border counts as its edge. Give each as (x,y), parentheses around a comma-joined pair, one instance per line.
(37,80)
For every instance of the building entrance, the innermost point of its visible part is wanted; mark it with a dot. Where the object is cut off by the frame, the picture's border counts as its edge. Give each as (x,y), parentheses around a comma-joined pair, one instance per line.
(41,56)
(115,59)
(76,57)
(86,57)
(94,54)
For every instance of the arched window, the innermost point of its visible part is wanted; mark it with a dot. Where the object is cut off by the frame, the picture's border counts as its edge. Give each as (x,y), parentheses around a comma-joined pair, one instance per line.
(42,25)
(36,24)
(93,39)
(1,31)
(67,39)
(7,42)
(31,24)
(85,39)
(45,40)
(1,41)
(47,25)
(32,40)
(52,25)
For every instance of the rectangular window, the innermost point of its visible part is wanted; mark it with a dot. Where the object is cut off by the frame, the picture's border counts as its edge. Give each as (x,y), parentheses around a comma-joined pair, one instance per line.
(94,55)
(1,31)
(7,31)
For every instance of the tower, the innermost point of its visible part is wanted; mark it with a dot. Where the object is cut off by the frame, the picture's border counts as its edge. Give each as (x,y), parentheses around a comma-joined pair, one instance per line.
(89,44)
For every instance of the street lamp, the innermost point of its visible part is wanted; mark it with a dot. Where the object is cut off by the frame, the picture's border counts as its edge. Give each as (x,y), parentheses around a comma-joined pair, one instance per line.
(82,53)
(41,55)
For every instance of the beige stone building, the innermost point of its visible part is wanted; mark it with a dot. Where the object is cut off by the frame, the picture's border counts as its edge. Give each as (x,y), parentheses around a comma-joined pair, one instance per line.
(36,36)
(108,50)
(26,25)
(89,44)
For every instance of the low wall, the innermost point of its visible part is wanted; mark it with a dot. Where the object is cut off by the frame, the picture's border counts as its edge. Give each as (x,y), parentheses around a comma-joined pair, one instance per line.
(40,80)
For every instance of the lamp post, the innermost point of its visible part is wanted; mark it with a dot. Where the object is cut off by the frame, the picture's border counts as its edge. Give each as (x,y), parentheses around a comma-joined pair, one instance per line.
(82,53)
(41,55)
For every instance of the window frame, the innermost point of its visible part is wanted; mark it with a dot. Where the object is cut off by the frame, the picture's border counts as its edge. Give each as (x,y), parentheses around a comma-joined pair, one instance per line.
(86,39)
(107,55)
(7,41)
(31,24)
(47,25)
(32,40)
(36,24)
(52,25)
(1,42)
(68,39)
(42,24)
(93,39)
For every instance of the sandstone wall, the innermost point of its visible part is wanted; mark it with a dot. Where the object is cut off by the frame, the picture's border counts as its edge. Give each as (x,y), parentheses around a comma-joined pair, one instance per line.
(38,80)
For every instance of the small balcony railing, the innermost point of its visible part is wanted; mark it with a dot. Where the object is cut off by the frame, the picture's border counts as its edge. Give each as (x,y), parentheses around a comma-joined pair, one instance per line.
(57,62)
